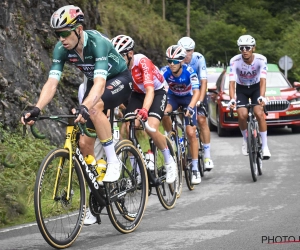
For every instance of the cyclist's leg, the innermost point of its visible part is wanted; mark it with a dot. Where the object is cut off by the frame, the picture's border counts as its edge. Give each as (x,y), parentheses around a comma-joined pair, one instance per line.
(117,91)
(260,116)
(205,137)
(242,96)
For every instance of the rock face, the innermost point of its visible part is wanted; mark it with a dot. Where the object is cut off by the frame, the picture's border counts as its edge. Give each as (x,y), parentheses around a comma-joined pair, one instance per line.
(26,43)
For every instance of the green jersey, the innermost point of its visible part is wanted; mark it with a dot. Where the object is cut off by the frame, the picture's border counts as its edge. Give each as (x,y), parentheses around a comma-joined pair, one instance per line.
(100,59)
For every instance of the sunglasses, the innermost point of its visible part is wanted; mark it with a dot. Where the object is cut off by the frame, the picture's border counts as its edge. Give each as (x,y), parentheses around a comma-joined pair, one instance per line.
(173,61)
(64,33)
(247,48)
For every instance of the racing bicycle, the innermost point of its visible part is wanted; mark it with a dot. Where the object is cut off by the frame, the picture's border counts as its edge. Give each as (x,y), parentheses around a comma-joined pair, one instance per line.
(254,141)
(60,188)
(167,193)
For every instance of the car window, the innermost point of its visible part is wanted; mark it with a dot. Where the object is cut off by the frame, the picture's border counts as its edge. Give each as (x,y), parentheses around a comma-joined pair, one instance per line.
(274,80)
(212,79)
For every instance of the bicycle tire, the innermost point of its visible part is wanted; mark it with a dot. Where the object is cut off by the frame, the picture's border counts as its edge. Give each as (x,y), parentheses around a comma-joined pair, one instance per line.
(177,151)
(167,193)
(200,156)
(251,141)
(127,211)
(59,220)
(259,154)
(188,167)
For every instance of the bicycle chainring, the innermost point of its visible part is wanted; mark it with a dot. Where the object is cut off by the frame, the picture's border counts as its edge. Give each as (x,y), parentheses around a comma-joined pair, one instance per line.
(95,207)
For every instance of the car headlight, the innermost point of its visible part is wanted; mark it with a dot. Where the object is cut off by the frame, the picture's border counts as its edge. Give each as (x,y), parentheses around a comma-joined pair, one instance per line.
(224,103)
(295,101)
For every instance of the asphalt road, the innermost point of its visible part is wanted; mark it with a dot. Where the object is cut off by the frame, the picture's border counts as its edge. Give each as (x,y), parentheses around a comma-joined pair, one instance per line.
(226,211)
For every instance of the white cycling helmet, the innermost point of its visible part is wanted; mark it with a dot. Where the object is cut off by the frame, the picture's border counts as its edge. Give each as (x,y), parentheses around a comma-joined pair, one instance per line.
(67,16)
(123,43)
(176,52)
(246,40)
(187,43)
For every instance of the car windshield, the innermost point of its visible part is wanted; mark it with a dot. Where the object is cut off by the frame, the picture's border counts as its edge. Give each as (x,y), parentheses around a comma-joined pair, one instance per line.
(212,79)
(274,80)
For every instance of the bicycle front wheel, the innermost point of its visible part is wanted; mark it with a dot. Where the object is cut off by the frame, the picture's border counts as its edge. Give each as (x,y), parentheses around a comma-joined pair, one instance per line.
(251,141)
(167,193)
(59,207)
(177,152)
(200,156)
(129,194)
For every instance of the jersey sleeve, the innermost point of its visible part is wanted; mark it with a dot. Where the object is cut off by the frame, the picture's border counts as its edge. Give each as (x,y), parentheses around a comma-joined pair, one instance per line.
(202,68)
(58,61)
(263,68)
(146,67)
(101,52)
(232,70)
(193,78)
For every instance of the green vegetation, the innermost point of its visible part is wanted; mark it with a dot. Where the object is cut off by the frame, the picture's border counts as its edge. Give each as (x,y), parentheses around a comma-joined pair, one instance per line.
(19,160)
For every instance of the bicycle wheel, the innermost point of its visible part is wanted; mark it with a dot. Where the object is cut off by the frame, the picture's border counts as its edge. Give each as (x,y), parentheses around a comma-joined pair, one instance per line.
(129,194)
(177,151)
(200,156)
(167,193)
(251,141)
(188,167)
(259,154)
(59,218)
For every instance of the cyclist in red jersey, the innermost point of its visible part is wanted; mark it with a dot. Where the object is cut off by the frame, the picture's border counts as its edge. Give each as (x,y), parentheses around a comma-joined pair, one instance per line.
(148,98)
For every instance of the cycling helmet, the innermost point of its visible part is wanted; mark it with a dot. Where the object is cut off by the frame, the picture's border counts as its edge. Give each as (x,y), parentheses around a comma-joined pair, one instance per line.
(246,40)
(67,16)
(122,43)
(176,52)
(187,43)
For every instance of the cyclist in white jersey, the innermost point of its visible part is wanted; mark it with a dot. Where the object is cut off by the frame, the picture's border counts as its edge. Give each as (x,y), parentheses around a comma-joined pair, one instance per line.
(249,71)
(197,62)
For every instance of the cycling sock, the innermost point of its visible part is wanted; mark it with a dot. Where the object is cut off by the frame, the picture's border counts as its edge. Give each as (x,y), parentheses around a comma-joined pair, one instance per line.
(166,154)
(244,133)
(195,164)
(206,150)
(109,149)
(264,139)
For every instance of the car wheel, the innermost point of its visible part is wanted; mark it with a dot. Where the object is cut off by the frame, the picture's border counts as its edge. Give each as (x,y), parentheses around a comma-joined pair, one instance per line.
(210,125)
(221,131)
(296,130)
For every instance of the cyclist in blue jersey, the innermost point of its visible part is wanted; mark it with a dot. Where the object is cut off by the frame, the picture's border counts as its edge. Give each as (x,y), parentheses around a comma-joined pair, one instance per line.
(197,62)
(183,92)
(109,80)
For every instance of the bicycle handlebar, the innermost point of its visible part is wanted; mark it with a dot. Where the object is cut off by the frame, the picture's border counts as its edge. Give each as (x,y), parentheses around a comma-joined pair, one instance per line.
(145,124)
(176,112)
(248,105)
(36,133)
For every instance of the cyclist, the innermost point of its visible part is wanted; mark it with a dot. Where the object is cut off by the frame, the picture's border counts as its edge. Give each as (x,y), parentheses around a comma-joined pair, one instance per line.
(148,99)
(183,92)
(247,78)
(109,80)
(197,62)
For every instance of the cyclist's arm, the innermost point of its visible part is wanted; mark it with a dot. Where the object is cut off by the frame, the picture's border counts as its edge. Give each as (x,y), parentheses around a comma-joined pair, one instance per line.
(195,98)
(148,97)
(95,93)
(203,89)
(232,89)
(263,84)
(147,67)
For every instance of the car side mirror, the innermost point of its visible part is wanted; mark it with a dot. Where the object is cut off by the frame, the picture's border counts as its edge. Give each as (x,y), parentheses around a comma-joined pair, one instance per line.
(296,85)
(212,89)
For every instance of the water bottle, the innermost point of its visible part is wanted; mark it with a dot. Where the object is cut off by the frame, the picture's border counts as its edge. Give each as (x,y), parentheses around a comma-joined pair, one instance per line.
(101,169)
(150,159)
(91,162)
(181,143)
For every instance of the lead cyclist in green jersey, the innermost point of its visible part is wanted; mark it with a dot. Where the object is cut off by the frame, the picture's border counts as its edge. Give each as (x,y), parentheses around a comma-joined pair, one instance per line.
(109,80)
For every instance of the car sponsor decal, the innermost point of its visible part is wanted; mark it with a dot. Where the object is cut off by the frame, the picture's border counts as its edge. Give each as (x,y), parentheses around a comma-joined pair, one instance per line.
(272,116)
(273,92)
(293,112)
